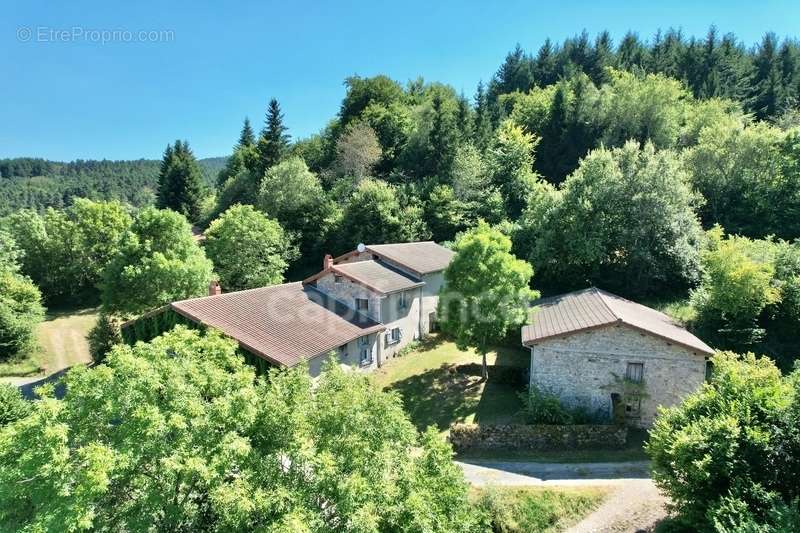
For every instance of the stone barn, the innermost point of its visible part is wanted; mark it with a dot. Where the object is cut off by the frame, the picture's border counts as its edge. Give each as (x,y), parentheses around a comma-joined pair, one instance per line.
(612,357)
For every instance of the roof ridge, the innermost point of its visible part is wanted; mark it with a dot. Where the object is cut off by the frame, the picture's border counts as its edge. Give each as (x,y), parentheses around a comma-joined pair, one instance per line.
(601,294)
(276,286)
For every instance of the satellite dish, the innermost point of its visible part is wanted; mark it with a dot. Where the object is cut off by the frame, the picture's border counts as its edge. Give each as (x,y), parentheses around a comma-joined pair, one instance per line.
(361,248)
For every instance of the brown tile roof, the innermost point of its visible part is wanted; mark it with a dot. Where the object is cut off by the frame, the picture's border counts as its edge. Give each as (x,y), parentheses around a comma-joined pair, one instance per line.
(284,324)
(419,257)
(377,276)
(590,308)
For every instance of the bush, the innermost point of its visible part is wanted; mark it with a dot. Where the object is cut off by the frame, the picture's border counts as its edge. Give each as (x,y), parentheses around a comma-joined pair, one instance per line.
(20,311)
(541,407)
(12,405)
(103,336)
(729,456)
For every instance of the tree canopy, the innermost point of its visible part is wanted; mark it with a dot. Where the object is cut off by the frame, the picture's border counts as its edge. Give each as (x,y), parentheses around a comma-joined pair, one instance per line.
(248,249)
(179,434)
(486,292)
(159,262)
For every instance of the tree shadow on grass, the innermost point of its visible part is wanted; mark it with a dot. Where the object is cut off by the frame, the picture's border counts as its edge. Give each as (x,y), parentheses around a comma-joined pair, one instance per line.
(445,395)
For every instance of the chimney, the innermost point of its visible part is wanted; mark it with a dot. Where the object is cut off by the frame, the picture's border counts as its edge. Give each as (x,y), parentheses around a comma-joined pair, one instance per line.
(327,262)
(214,289)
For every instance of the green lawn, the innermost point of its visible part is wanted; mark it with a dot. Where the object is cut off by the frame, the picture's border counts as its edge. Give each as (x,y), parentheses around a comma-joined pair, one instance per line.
(436,393)
(523,509)
(61,342)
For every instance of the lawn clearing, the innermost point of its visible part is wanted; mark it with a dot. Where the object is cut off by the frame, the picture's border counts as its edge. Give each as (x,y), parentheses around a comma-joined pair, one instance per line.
(62,343)
(522,509)
(436,393)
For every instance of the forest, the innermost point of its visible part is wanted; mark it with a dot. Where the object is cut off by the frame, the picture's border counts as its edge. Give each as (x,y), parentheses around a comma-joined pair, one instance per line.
(665,170)
(34,183)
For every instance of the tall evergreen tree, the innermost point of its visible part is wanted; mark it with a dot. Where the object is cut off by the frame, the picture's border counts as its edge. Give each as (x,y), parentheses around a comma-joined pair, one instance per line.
(631,54)
(274,141)
(180,185)
(767,84)
(482,131)
(443,138)
(247,137)
(545,65)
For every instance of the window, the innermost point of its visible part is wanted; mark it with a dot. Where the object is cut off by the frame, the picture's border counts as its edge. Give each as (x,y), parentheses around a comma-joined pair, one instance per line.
(366,356)
(402,301)
(337,278)
(362,304)
(396,335)
(634,372)
(363,341)
(343,350)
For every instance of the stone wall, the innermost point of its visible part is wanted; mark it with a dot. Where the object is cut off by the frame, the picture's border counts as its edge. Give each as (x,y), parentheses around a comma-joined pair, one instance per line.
(584,369)
(466,437)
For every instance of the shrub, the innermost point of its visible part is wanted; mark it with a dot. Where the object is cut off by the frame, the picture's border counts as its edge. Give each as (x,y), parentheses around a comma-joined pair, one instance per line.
(103,336)
(540,407)
(12,405)
(728,455)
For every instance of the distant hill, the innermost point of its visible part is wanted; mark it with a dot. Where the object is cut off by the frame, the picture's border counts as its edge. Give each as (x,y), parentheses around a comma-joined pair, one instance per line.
(38,183)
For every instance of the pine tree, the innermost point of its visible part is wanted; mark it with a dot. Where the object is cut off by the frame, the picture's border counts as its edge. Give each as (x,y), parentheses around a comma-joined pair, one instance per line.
(767,80)
(180,181)
(443,139)
(545,66)
(464,118)
(274,141)
(247,137)
(482,131)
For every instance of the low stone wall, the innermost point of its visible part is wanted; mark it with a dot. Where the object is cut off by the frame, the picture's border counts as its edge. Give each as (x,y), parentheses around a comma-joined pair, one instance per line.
(536,437)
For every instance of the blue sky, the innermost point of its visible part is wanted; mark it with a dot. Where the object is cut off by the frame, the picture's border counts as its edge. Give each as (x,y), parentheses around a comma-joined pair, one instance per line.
(74,97)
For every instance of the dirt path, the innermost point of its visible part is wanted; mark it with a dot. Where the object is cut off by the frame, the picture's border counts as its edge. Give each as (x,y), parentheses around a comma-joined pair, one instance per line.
(634,503)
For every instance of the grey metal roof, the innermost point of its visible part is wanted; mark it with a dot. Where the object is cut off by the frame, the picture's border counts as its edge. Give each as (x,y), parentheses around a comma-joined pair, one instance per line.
(591,308)
(420,257)
(377,276)
(284,324)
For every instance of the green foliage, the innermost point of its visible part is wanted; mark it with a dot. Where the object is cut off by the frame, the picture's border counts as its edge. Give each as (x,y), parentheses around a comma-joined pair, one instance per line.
(444,213)
(248,249)
(12,405)
(20,310)
(748,298)
(526,509)
(486,292)
(104,336)
(510,161)
(624,221)
(159,262)
(726,456)
(273,143)
(373,214)
(293,195)
(540,407)
(180,186)
(179,434)
(10,254)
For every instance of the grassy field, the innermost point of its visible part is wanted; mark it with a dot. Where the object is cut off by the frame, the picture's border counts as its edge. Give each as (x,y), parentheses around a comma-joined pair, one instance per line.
(522,509)
(61,342)
(436,393)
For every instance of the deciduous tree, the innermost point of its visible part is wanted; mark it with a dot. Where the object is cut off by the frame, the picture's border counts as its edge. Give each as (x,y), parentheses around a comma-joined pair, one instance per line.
(248,249)
(486,292)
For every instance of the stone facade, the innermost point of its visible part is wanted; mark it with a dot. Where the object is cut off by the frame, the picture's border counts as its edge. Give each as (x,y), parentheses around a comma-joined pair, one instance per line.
(536,437)
(586,368)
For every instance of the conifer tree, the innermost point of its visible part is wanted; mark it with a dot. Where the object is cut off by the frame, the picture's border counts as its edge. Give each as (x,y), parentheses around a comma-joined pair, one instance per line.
(247,137)
(274,141)
(482,131)
(180,181)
